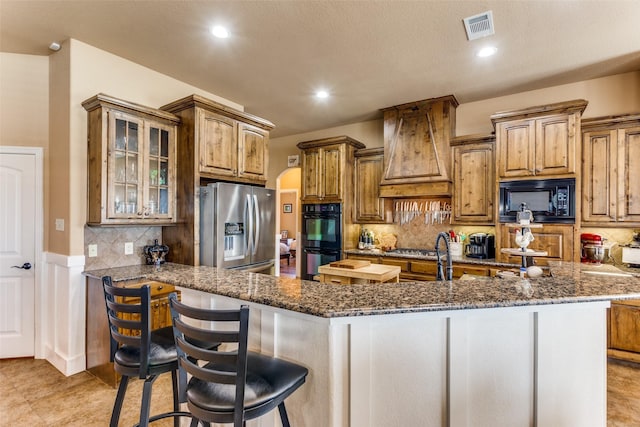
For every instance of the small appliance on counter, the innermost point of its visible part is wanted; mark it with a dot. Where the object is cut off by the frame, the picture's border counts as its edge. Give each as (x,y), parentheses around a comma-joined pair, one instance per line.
(592,248)
(631,252)
(155,253)
(481,246)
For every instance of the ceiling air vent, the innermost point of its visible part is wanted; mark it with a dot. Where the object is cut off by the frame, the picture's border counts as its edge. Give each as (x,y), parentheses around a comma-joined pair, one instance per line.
(480,25)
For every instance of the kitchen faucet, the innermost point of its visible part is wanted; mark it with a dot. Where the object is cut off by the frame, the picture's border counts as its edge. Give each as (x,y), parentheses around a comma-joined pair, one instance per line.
(440,272)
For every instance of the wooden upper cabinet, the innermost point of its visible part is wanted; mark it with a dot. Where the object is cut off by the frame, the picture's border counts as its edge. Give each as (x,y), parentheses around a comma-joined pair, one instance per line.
(611,170)
(629,179)
(539,141)
(473,179)
(253,152)
(215,142)
(369,206)
(131,163)
(218,143)
(322,173)
(311,173)
(327,169)
(331,171)
(417,158)
(228,144)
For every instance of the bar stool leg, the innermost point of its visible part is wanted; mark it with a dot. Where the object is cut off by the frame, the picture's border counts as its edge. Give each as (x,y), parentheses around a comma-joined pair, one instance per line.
(146,401)
(283,415)
(117,406)
(176,402)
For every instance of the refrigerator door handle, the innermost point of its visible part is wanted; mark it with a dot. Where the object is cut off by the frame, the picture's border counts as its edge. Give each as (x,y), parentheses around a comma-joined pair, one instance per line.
(256,231)
(248,219)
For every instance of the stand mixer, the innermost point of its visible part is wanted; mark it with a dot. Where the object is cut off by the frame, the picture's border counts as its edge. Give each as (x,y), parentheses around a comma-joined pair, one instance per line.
(592,248)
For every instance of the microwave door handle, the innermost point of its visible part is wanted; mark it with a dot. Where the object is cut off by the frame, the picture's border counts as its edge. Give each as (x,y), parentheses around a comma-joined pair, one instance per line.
(256,231)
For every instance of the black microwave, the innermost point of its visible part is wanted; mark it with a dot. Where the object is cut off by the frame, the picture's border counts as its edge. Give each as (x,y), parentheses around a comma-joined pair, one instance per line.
(550,200)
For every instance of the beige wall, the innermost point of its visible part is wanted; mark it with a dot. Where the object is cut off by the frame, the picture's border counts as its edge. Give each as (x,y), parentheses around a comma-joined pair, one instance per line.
(24,100)
(288,220)
(611,95)
(24,108)
(290,193)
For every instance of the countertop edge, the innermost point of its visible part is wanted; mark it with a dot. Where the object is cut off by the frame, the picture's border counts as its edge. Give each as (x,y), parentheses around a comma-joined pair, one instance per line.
(567,286)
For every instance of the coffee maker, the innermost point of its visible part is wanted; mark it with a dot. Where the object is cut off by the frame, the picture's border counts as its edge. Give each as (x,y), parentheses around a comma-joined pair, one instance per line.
(592,248)
(481,246)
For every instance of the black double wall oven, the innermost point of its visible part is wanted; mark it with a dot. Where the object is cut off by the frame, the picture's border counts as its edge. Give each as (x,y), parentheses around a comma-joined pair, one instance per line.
(321,236)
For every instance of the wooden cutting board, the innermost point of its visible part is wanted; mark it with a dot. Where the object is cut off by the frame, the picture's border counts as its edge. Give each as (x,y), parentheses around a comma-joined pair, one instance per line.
(350,263)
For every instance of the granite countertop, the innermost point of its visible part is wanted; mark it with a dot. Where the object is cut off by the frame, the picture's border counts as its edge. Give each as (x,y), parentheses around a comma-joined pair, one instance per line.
(568,284)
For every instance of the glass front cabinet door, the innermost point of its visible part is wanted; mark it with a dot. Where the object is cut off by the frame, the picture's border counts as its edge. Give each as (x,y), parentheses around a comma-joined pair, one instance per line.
(131,161)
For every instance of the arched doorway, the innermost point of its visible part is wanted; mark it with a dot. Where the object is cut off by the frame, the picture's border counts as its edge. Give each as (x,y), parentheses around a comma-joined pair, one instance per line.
(288,185)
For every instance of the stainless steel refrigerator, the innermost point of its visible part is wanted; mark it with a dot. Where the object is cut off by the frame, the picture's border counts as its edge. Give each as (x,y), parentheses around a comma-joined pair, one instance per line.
(237,227)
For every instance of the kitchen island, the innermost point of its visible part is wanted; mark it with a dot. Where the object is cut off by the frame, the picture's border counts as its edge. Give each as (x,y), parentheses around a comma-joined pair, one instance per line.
(484,352)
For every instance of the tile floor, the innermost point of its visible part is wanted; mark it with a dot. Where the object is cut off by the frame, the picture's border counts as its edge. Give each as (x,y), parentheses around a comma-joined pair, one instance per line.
(35,394)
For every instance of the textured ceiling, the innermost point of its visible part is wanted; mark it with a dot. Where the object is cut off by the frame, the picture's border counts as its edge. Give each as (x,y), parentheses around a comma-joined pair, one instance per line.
(369,54)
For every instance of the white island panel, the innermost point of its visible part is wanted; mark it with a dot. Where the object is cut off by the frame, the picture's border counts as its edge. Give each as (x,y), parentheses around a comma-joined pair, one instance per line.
(572,365)
(492,367)
(505,366)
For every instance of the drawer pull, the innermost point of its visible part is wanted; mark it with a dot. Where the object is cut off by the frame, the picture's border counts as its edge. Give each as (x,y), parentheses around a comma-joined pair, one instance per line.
(160,287)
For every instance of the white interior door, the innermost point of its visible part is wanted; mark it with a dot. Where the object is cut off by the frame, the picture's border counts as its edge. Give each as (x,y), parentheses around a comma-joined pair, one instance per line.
(17,254)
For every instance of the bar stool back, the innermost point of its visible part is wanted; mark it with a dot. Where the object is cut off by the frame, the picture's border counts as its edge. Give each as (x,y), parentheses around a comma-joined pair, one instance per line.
(230,386)
(136,351)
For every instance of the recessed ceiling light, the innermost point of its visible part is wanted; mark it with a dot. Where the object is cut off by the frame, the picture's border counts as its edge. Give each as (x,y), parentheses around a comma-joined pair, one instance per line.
(220,32)
(322,94)
(487,51)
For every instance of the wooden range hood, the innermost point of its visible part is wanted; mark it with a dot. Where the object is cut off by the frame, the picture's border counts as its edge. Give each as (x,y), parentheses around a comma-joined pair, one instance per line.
(417,158)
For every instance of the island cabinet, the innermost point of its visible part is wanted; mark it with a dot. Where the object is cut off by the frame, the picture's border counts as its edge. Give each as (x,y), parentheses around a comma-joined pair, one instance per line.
(555,239)
(611,171)
(624,330)
(369,206)
(417,158)
(131,163)
(97,331)
(327,169)
(539,141)
(217,143)
(473,179)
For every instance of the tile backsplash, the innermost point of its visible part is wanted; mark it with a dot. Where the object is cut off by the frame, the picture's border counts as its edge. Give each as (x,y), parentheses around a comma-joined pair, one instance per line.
(111,241)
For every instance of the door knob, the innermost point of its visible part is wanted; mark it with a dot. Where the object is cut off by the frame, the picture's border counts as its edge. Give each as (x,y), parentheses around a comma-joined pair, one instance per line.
(25,266)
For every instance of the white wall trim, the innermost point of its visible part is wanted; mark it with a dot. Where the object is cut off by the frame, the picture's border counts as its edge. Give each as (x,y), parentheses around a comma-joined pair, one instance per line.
(39,302)
(64,314)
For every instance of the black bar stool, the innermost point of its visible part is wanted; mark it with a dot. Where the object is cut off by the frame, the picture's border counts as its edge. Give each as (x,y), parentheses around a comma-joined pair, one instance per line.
(136,351)
(228,386)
